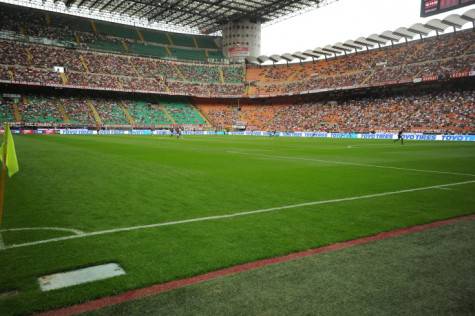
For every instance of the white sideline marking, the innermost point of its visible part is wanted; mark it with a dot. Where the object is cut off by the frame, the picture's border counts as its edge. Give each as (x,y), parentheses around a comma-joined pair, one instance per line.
(70,230)
(352,163)
(218,217)
(446,189)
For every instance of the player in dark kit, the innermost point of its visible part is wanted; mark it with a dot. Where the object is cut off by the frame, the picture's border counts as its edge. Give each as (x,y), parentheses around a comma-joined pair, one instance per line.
(399,137)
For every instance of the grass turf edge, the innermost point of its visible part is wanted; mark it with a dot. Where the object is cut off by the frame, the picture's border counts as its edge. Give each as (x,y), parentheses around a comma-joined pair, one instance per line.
(171,285)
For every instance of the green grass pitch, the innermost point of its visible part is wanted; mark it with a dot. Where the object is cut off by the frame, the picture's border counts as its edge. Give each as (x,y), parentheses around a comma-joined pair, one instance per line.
(104,183)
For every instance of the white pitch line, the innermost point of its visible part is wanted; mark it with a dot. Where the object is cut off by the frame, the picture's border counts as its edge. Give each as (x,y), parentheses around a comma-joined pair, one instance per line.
(70,230)
(352,163)
(232,215)
(446,189)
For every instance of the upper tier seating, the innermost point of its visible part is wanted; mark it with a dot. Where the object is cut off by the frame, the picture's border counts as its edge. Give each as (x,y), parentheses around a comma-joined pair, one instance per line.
(106,36)
(33,63)
(433,57)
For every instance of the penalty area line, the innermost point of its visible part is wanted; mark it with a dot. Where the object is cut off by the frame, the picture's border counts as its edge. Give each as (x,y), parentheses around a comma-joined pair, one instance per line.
(238,214)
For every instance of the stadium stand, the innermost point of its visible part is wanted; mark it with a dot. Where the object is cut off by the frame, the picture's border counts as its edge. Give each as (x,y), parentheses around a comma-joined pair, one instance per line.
(437,57)
(6,110)
(34,63)
(45,110)
(39,110)
(444,112)
(77,111)
(97,55)
(110,112)
(442,56)
(106,36)
(146,114)
(182,112)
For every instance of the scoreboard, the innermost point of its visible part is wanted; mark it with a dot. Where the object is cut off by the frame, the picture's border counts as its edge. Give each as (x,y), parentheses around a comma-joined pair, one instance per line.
(431,7)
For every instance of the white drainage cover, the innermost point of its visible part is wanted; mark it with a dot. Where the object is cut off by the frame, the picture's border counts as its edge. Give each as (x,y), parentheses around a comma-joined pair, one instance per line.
(75,277)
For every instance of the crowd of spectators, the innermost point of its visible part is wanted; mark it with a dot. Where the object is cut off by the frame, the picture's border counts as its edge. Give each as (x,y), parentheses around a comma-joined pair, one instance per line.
(6,110)
(445,56)
(445,112)
(437,112)
(221,115)
(39,110)
(437,57)
(110,112)
(34,63)
(48,110)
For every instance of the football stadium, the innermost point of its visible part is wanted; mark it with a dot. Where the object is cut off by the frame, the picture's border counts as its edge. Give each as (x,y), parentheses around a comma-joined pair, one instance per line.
(158,160)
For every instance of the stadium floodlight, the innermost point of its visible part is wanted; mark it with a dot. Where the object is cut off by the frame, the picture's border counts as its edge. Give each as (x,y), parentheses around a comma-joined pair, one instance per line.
(287,57)
(455,21)
(353,45)
(469,16)
(332,50)
(364,42)
(299,55)
(390,36)
(275,58)
(404,32)
(311,53)
(252,60)
(339,46)
(320,51)
(437,25)
(262,59)
(375,38)
(420,29)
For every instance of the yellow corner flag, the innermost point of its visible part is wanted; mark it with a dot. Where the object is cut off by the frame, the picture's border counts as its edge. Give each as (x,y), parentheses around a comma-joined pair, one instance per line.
(11,161)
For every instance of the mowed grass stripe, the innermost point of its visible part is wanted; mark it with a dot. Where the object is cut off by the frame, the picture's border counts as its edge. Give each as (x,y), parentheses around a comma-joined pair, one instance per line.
(247,213)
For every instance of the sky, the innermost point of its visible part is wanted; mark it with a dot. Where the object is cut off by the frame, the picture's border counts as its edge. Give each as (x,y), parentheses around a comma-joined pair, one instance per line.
(341,21)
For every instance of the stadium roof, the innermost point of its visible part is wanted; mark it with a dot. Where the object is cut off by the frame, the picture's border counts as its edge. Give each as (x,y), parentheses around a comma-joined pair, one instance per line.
(206,15)
(451,21)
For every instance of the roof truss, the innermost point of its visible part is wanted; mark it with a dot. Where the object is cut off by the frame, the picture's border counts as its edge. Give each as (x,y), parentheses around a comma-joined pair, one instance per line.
(206,15)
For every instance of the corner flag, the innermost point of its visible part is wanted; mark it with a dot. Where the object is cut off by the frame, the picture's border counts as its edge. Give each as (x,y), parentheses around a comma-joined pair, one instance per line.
(9,162)
(7,152)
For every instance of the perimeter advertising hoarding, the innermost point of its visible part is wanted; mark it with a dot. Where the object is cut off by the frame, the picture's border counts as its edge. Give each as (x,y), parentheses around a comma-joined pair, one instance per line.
(432,7)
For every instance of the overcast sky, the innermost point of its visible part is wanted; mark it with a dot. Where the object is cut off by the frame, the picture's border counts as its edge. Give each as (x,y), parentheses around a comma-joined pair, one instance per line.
(341,21)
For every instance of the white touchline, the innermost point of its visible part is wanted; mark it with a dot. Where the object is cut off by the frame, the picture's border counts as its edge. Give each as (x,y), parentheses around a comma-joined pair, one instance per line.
(70,230)
(218,217)
(351,163)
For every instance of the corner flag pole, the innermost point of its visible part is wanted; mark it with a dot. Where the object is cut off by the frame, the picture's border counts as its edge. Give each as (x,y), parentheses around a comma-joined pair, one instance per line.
(3,175)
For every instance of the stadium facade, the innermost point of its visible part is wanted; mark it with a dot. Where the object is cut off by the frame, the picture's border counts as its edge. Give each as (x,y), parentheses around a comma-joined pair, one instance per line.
(64,71)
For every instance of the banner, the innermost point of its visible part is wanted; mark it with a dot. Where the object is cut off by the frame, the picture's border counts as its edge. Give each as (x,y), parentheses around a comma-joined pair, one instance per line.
(376,136)
(238,51)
